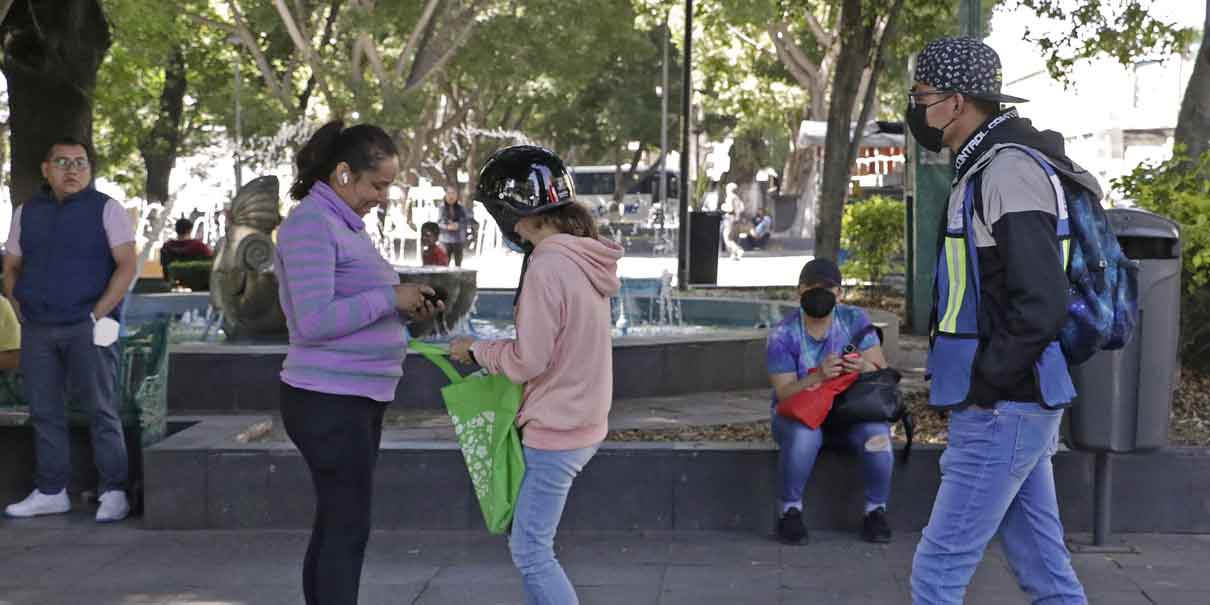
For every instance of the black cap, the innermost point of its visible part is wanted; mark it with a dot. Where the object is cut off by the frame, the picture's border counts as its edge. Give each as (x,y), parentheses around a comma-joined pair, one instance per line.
(820,271)
(963,65)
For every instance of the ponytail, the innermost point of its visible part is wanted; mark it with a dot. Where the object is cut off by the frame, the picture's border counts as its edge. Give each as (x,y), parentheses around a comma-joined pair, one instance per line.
(361,147)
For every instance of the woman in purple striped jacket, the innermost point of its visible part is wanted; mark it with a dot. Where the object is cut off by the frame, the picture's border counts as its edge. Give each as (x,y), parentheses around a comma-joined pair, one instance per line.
(345,311)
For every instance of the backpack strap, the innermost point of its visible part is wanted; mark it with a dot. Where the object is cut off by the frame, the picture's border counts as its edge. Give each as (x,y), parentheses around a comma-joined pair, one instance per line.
(855,341)
(909,429)
(1059,185)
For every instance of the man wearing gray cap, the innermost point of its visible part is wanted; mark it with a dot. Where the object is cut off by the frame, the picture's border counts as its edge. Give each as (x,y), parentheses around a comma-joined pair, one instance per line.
(1000,301)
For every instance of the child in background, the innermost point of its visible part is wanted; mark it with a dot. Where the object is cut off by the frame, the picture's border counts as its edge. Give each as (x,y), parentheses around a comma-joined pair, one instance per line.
(431,252)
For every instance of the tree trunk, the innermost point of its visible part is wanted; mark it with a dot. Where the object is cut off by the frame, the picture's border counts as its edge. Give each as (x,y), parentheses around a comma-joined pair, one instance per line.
(805,209)
(856,40)
(807,206)
(1193,124)
(159,148)
(52,50)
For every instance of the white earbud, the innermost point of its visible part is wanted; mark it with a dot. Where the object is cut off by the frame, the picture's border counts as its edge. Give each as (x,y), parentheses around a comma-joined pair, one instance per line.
(344,178)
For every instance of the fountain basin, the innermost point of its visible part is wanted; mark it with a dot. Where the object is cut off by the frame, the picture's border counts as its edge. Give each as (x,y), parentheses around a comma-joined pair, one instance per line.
(724,350)
(459,287)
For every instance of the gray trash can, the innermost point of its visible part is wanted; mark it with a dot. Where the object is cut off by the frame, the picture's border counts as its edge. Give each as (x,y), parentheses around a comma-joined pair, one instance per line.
(1124,397)
(705,237)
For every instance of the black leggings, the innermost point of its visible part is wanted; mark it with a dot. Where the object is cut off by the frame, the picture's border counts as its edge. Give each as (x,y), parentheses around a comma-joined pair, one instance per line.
(338,436)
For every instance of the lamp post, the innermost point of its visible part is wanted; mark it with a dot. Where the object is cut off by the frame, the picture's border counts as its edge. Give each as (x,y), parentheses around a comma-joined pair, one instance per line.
(664,127)
(682,252)
(238,156)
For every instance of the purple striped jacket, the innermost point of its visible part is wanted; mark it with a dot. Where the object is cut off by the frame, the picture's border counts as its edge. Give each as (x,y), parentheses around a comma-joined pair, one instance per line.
(346,338)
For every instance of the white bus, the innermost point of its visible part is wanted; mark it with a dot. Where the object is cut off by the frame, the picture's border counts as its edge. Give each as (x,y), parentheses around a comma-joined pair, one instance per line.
(595,187)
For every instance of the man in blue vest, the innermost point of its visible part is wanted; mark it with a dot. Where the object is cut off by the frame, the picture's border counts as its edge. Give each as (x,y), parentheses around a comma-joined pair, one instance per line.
(70,259)
(1000,300)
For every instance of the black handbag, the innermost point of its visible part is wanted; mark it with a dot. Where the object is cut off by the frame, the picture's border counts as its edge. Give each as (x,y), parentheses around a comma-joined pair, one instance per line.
(874,397)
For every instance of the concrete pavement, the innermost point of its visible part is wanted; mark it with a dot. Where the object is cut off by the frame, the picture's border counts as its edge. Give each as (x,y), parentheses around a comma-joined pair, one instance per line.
(70,560)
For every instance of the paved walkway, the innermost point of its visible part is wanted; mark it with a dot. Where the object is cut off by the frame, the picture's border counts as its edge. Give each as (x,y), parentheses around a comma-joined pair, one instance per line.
(70,560)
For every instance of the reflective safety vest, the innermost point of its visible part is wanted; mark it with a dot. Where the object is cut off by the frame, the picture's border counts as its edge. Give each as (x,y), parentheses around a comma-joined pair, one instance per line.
(955,330)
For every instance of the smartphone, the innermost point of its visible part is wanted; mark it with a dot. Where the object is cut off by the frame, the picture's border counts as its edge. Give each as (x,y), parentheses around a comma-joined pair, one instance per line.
(438,295)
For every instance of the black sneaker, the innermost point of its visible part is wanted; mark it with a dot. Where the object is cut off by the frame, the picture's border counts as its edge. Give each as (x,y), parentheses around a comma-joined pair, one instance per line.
(790,529)
(875,528)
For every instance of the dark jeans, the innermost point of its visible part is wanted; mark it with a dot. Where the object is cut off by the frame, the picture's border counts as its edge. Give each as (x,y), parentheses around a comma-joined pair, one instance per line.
(747,242)
(53,357)
(455,251)
(338,436)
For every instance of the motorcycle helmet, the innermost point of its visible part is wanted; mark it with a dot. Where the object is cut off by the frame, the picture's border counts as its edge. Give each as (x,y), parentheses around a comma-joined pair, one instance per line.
(521,181)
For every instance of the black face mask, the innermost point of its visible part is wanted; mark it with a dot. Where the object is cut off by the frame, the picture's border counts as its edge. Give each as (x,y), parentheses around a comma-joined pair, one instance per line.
(818,302)
(927,136)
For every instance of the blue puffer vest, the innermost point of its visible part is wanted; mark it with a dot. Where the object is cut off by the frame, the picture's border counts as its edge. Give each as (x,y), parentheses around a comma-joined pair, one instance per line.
(66,260)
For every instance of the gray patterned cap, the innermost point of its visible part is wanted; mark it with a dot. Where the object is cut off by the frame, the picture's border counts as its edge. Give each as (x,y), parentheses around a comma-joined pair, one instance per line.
(963,65)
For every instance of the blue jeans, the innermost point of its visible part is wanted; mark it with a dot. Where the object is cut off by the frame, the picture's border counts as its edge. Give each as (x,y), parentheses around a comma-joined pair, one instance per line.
(800,444)
(56,359)
(548,477)
(996,476)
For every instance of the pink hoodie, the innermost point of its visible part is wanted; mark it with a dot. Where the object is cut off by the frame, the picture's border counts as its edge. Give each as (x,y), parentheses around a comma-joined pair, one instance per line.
(564,347)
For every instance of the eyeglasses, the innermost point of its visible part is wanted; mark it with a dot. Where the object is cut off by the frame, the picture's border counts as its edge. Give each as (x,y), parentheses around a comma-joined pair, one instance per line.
(913,98)
(79,164)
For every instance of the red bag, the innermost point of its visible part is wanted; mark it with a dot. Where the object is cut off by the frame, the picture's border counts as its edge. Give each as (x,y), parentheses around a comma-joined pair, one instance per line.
(811,406)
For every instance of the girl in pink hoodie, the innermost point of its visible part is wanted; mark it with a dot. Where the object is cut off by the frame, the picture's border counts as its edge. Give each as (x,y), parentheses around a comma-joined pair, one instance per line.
(563,353)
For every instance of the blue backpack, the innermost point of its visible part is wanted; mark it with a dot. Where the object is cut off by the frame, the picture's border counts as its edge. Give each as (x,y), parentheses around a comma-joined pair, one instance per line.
(1103,303)
(1103,284)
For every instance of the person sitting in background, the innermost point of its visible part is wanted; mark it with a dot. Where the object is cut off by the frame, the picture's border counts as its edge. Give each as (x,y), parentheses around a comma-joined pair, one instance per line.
(431,252)
(758,236)
(806,349)
(184,247)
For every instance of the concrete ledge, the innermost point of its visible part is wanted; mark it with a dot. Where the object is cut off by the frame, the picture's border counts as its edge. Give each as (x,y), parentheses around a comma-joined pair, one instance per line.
(234,378)
(204,477)
(17,462)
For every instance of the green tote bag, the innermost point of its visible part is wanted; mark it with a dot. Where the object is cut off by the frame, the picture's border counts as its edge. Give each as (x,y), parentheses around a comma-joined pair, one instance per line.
(484,409)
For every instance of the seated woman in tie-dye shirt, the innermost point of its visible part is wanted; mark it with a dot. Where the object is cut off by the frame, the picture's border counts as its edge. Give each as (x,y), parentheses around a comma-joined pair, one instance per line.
(804,350)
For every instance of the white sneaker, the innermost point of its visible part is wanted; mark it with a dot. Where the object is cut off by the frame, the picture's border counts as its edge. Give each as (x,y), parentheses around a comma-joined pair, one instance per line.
(113,507)
(39,503)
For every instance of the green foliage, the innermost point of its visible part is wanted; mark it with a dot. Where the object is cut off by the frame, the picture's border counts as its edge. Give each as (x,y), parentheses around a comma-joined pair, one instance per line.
(193,274)
(872,232)
(131,79)
(739,76)
(1122,29)
(1180,189)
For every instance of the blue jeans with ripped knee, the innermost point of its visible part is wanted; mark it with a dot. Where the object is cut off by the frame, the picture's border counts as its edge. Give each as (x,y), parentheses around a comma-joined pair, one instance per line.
(800,445)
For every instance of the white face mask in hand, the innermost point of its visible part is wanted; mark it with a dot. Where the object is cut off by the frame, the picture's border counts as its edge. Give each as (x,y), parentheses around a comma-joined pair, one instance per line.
(105,331)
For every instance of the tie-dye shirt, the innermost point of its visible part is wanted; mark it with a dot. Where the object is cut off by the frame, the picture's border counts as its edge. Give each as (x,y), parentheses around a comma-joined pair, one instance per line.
(792,350)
